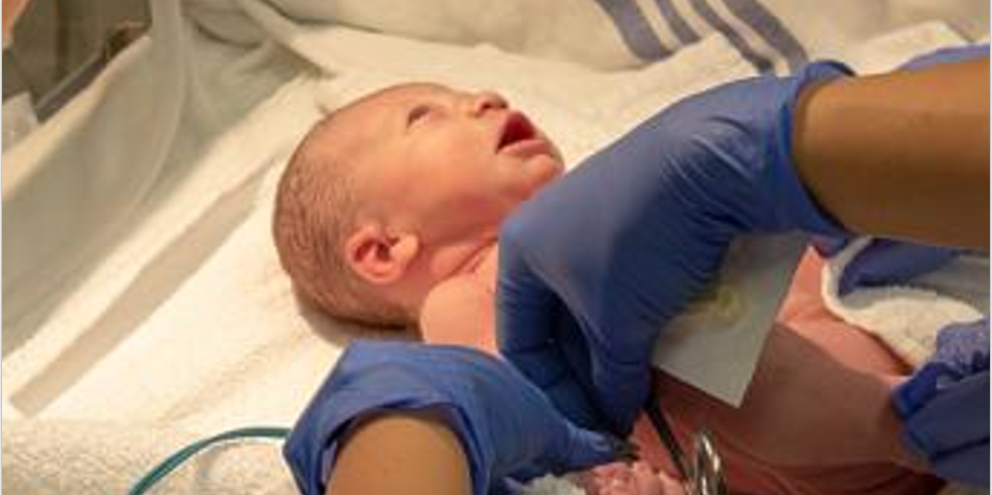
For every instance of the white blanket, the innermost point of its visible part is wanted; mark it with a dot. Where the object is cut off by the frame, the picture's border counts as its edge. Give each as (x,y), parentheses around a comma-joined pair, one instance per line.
(609,34)
(908,317)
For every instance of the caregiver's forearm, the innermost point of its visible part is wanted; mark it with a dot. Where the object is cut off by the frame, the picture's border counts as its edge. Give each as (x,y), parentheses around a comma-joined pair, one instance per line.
(394,453)
(902,155)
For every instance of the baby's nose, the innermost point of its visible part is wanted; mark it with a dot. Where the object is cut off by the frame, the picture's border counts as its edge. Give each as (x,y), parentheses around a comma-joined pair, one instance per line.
(485,101)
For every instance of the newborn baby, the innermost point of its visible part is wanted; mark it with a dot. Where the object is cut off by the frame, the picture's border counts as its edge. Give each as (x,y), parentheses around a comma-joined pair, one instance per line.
(401,193)
(388,215)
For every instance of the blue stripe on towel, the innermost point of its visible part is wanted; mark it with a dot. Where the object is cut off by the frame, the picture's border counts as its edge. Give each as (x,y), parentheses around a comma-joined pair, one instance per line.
(634,29)
(763,64)
(682,31)
(770,29)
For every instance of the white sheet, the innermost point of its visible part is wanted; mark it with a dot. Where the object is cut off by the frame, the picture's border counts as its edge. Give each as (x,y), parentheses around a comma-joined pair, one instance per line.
(611,34)
(908,316)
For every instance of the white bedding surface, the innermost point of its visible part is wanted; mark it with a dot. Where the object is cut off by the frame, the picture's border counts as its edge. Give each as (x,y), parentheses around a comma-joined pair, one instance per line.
(228,344)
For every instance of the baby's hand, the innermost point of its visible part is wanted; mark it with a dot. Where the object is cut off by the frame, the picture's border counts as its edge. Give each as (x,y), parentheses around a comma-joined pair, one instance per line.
(621,479)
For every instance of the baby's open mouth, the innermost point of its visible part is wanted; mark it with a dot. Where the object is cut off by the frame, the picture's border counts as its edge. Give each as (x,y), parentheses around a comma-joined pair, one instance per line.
(516,129)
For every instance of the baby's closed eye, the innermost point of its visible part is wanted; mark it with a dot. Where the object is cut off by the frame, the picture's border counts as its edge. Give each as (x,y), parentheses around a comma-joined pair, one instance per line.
(417,113)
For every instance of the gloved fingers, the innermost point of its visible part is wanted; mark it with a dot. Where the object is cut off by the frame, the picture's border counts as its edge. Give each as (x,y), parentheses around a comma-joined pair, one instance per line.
(968,465)
(581,449)
(962,350)
(954,419)
(965,345)
(886,262)
(576,449)
(525,316)
(916,392)
(506,486)
(571,399)
(947,55)
(621,388)
(560,370)
(529,335)
(574,396)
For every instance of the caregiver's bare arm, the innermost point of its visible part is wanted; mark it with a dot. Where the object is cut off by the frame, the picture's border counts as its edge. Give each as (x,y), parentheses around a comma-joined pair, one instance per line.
(406,453)
(903,155)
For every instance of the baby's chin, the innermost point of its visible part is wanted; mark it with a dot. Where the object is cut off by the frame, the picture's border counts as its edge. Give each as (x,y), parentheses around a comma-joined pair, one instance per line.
(544,170)
(527,177)
(547,168)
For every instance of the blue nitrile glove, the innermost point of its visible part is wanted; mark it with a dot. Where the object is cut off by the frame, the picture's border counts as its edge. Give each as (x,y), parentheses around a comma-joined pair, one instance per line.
(946,55)
(506,425)
(945,405)
(886,262)
(594,265)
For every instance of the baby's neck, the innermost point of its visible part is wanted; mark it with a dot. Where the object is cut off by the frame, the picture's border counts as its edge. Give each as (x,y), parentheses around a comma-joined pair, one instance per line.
(460,308)
(474,259)
(454,262)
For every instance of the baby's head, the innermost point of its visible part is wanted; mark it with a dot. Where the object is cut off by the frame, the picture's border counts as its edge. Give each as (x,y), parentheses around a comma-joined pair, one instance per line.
(393,193)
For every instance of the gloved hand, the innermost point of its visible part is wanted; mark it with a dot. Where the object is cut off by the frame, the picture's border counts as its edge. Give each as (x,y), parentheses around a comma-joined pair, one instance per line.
(594,265)
(946,55)
(506,425)
(886,262)
(945,405)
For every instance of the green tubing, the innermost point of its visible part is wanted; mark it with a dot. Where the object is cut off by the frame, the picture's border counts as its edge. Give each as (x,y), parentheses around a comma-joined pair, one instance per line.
(180,456)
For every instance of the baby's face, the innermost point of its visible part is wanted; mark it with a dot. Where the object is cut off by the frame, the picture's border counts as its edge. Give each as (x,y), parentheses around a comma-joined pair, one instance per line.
(448,163)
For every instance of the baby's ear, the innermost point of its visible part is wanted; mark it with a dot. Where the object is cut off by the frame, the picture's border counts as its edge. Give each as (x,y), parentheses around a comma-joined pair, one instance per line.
(378,257)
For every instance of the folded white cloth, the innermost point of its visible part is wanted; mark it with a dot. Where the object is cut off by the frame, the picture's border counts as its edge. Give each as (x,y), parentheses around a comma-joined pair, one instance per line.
(908,317)
(91,458)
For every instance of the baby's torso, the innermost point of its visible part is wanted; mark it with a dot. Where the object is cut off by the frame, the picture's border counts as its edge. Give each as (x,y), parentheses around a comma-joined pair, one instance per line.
(785,439)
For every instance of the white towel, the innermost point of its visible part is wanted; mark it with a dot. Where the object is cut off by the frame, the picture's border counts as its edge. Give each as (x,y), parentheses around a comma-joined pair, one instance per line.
(908,317)
(90,458)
